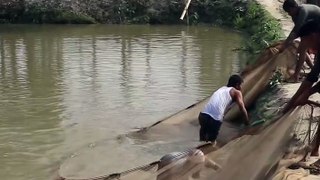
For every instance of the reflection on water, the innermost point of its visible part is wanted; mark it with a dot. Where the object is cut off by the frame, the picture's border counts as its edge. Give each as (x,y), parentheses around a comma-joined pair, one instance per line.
(65,88)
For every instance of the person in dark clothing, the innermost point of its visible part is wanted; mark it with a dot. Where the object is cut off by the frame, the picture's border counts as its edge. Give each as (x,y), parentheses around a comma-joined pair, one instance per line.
(300,14)
(211,117)
(310,37)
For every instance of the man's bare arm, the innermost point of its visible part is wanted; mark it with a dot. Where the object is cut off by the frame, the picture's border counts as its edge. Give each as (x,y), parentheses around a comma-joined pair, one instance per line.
(304,87)
(237,95)
(303,98)
(289,39)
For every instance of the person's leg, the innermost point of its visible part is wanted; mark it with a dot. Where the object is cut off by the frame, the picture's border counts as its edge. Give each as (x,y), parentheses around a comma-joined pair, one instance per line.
(315,150)
(214,126)
(202,132)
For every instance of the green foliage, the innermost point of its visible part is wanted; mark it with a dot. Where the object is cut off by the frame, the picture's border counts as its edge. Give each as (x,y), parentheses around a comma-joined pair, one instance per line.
(40,14)
(245,15)
(276,79)
(129,12)
(218,11)
(262,28)
(239,22)
(11,10)
(165,11)
(64,17)
(194,18)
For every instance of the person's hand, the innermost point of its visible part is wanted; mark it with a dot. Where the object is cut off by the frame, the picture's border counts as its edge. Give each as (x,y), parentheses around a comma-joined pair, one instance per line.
(278,49)
(274,50)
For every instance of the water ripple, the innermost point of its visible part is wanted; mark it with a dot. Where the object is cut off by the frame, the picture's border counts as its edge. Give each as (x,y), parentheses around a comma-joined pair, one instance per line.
(64,87)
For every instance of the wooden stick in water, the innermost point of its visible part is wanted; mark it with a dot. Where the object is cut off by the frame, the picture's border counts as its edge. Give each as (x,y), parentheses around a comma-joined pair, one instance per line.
(185,10)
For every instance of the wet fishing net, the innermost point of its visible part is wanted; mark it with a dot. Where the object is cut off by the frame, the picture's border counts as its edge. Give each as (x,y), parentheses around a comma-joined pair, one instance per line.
(244,153)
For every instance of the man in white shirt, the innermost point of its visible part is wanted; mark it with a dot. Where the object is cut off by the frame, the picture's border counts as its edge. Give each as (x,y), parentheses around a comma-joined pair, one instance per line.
(211,117)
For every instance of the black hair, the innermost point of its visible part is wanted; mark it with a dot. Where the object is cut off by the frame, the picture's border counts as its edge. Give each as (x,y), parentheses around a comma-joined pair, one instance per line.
(234,80)
(288,4)
(308,28)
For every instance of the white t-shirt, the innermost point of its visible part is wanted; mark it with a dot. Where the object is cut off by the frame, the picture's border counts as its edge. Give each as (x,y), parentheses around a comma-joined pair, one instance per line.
(218,103)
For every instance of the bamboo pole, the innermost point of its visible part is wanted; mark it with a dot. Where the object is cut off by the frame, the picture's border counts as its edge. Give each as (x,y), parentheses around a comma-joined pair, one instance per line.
(185,10)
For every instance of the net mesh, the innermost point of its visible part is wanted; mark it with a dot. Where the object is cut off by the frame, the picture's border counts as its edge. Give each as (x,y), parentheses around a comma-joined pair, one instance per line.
(251,156)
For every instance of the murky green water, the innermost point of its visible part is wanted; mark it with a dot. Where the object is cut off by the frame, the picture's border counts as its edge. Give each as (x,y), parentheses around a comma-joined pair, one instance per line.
(67,88)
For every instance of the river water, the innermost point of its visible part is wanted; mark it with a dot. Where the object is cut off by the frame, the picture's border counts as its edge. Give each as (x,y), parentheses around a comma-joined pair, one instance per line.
(67,88)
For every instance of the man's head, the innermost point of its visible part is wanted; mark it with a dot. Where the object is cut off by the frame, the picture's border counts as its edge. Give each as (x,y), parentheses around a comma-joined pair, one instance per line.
(235,81)
(310,35)
(291,7)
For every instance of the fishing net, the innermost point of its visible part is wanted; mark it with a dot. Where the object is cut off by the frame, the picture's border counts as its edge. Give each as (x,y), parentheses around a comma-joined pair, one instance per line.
(252,156)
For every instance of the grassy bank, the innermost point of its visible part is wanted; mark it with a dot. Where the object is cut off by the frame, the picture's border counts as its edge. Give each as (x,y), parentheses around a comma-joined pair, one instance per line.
(262,28)
(244,15)
(247,16)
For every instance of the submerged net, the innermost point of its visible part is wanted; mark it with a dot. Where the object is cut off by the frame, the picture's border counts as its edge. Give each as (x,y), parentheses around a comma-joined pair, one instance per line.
(247,157)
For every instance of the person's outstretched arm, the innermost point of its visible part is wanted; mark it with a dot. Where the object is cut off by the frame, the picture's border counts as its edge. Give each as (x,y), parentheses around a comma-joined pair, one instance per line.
(237,96)
(298,96)
(305,89)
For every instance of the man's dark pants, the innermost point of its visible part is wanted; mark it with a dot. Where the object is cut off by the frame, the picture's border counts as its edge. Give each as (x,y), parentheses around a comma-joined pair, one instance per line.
(209,127)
